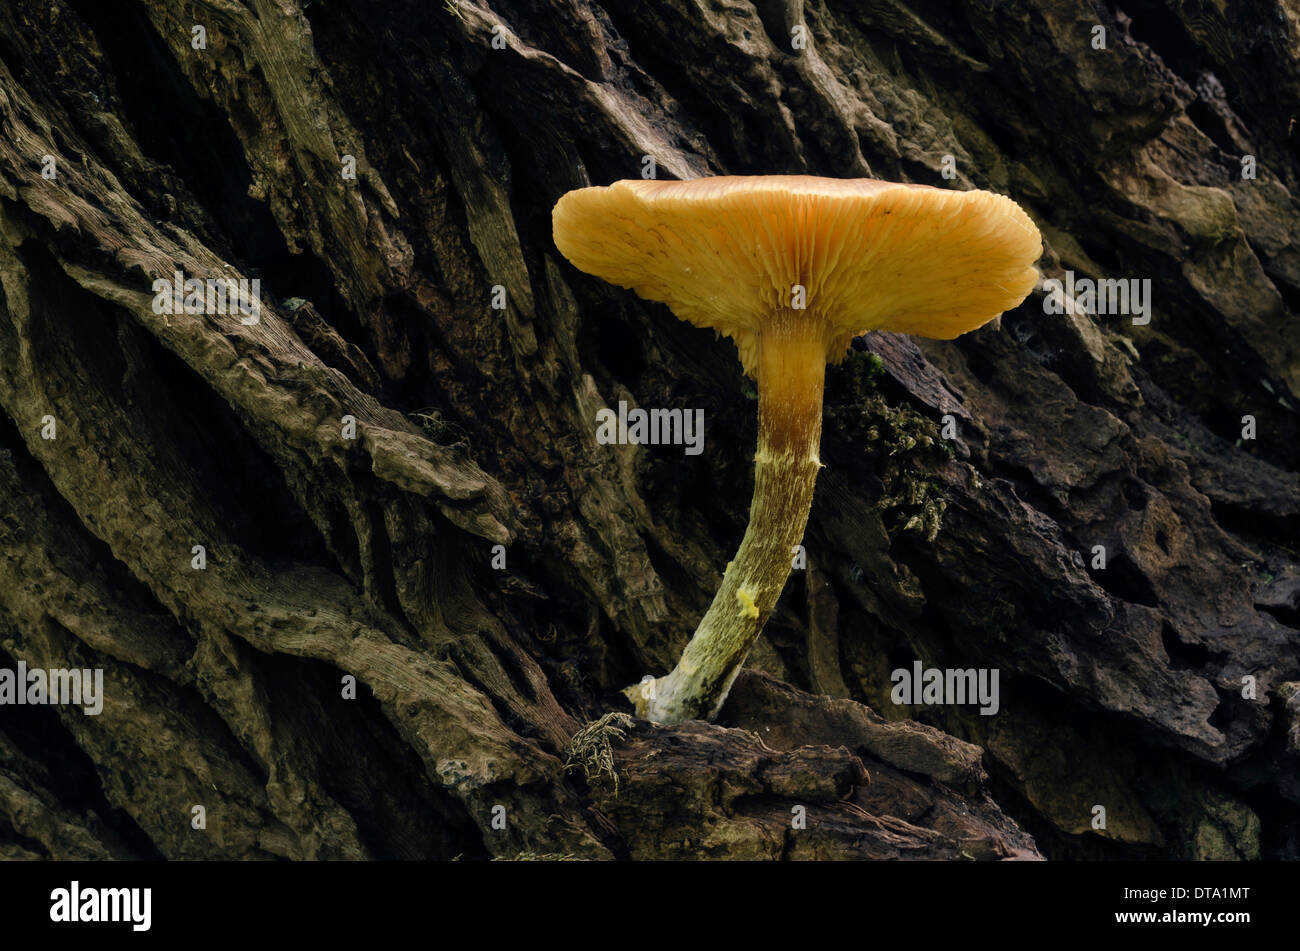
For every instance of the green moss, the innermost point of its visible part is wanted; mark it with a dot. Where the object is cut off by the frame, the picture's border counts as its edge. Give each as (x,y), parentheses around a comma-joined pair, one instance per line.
(1227,832)
(874,366)
(863,370)
(905,442)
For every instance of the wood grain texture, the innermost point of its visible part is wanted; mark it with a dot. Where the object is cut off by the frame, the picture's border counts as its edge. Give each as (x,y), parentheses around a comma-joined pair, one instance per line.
(372,557)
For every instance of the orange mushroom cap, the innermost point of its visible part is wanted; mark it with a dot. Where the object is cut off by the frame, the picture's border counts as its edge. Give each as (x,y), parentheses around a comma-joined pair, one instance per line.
(727,252)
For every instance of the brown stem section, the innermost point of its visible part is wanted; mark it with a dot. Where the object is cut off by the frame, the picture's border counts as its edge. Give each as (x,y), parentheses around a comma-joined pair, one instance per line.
(791,371)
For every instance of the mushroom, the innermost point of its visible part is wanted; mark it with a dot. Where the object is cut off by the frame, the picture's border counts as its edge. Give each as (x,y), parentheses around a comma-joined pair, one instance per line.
(791,268)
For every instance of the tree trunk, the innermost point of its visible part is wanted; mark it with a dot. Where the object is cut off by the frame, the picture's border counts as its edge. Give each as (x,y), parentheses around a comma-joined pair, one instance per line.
(357,572)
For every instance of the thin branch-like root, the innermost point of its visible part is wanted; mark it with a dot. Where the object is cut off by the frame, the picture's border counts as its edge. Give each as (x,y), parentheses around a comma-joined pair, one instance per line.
(589,750)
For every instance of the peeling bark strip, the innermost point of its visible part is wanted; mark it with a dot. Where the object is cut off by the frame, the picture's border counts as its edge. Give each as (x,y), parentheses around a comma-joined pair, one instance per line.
(348,675)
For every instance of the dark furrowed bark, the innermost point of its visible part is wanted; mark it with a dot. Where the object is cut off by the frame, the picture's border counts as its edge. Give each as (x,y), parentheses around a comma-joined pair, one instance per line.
(965,489)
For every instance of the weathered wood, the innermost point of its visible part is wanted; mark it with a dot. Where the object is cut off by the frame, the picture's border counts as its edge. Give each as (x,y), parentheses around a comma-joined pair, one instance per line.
(372,557)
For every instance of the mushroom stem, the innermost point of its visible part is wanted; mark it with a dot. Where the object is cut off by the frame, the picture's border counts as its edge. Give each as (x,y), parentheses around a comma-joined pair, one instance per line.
(790,367)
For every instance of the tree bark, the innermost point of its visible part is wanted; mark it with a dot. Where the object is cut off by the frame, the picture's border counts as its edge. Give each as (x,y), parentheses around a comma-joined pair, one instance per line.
(968,485)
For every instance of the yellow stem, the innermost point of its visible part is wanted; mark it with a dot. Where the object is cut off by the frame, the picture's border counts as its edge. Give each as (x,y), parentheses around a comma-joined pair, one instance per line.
(791,371)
